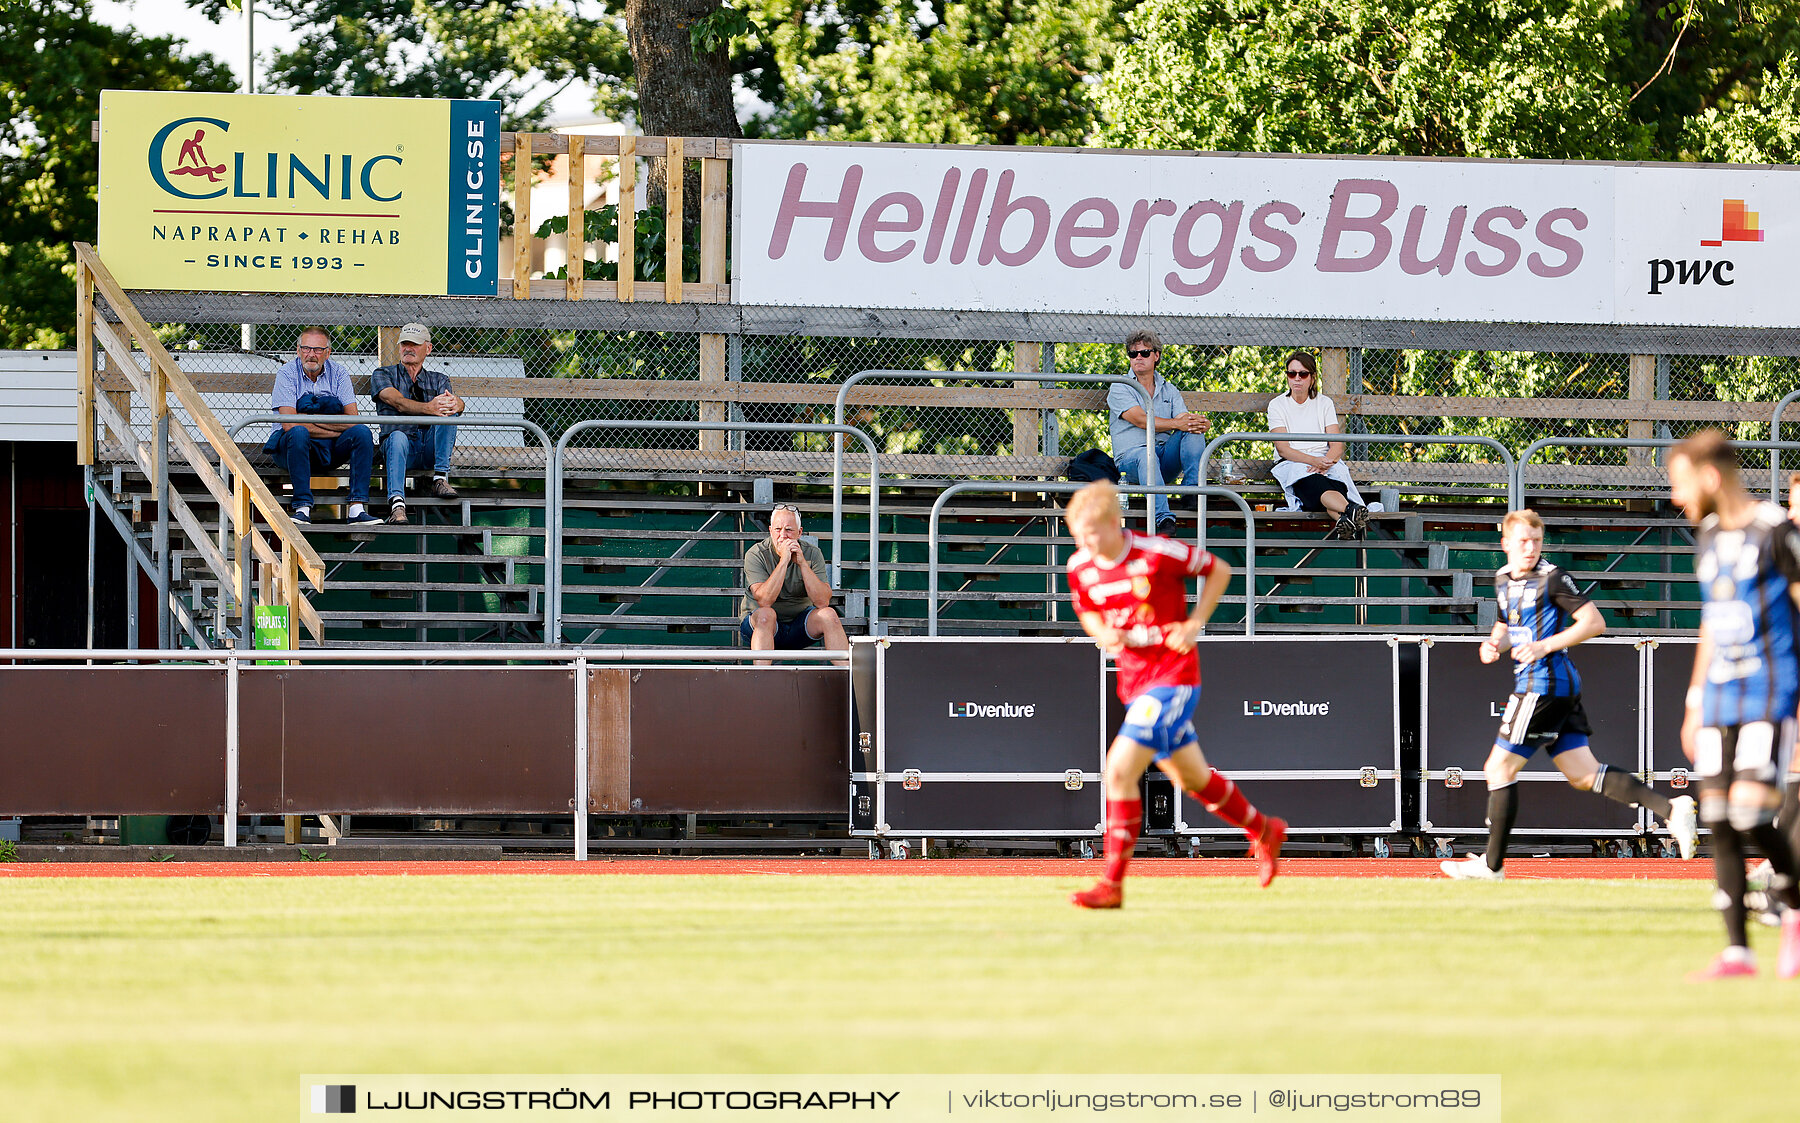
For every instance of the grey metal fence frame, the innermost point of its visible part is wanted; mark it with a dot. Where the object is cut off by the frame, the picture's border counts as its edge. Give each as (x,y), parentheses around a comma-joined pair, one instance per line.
(937,509)
(553,628)
(837,458)
(472,421)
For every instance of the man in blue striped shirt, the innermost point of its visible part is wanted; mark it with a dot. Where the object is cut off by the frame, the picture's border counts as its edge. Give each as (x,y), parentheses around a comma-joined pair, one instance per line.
(1739,724)
(1542,615)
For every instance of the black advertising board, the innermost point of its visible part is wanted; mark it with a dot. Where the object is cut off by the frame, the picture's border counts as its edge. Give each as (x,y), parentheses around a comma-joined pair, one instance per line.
(1463,700)
(976,736)
(1671,667)
(1304,725)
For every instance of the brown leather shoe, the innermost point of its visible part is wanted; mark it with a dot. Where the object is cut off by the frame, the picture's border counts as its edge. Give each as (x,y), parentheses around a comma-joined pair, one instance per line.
(441,489)
(397,512)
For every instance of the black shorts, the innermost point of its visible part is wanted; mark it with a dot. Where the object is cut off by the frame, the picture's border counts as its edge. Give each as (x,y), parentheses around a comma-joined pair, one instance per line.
(1540,721)
(1310,489)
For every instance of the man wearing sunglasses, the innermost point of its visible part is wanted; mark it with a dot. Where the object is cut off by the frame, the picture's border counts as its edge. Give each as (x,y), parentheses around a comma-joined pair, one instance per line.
(787,591)
(1180,435)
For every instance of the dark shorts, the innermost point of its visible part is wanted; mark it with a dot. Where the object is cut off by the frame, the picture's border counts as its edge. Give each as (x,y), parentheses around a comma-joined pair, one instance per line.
(1541,721)
(790,635)
(1311,488)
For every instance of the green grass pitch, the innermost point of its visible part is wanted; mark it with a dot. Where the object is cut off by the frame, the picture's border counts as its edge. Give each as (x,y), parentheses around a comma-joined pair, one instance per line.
(201,999)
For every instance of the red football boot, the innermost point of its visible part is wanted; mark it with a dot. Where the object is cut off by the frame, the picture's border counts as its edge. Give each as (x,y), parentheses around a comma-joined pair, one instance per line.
(1724,967)
(1103,895)
(1267,849)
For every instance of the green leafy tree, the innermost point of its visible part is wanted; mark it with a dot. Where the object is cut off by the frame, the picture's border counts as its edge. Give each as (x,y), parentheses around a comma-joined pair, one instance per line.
(54,61)
(1684,58)
(499,49)
(1765,130)
(1508,78)
(967,72)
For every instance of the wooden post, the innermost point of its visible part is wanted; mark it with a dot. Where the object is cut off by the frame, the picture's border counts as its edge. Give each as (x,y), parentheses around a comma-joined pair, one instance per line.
(242,525)
(713,217)
(84,364)
(387,345)
(577,245)
(628,218)
(521,216)
(712,372)
(1642,390)
(1028,424)
(673,213)
(1334,373)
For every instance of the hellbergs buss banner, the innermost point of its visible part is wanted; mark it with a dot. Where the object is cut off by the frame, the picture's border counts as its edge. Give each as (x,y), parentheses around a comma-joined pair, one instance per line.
(1236,235)
(270,193)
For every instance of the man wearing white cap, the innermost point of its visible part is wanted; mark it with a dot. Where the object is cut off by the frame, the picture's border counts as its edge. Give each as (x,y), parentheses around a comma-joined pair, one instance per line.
(408,388)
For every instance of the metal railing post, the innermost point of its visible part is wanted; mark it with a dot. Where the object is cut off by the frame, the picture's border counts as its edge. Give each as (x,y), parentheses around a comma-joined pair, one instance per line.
(581,758)
(160,544)
(937,510)
(837,417)
(231,750)
(1775,454)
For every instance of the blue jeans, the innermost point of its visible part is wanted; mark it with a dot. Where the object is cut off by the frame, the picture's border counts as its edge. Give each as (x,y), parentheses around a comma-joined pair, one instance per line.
(1176,454)
(302,454)
(403,452)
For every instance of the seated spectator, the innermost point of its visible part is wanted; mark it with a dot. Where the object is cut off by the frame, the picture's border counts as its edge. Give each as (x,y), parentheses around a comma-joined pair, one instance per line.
(787,591)
(312,383)
(1180,438)
(1312,473)
(408,387)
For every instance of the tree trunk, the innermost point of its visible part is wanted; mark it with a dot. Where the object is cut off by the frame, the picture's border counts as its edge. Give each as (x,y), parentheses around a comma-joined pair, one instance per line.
(680,93)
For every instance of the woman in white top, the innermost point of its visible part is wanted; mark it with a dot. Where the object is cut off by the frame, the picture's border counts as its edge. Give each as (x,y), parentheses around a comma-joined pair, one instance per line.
(1312,472)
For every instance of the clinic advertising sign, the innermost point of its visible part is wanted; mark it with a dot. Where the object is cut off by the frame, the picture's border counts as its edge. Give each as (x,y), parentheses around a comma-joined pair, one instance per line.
(1172,235)
(270,193)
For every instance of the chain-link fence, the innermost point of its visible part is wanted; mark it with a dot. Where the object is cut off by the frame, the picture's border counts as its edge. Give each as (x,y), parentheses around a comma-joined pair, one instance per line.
(620,371)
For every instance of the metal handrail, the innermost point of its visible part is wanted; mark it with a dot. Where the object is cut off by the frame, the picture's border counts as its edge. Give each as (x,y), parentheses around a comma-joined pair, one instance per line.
(472,421)
(837,458)
(1361,438)
(553,630)
(937,509)
(1631,442)
(1775,454)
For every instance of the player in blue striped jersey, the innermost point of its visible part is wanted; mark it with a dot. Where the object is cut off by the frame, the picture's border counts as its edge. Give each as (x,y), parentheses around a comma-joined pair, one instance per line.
(1542,616)
(1739,724)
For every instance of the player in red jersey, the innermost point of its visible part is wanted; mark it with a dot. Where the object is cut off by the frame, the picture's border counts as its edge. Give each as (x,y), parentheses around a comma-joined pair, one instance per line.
(1130,592)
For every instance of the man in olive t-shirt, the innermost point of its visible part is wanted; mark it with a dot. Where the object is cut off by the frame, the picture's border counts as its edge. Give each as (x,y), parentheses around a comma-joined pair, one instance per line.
(787,602)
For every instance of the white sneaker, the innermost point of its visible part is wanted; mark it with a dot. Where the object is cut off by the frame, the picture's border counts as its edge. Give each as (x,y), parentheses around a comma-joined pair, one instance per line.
(1472,868)
(1759,876)
(1684,824)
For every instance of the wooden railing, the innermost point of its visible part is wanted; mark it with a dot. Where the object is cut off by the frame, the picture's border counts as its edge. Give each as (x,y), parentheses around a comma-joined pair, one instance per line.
(99,412)
(714,155)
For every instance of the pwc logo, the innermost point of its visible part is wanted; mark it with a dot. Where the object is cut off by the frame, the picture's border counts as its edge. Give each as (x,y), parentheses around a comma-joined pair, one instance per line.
(193,158)
(1737,223)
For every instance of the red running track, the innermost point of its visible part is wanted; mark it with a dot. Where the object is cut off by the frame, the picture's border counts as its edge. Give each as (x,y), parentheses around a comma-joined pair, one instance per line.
(1611,869)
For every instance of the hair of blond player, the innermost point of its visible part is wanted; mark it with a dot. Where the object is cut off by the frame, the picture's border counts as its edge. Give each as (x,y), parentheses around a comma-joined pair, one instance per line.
(1099,499)
(1521,517)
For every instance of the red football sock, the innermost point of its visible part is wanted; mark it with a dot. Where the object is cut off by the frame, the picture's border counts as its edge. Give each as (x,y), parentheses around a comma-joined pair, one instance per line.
(1124,818)
(1220,796)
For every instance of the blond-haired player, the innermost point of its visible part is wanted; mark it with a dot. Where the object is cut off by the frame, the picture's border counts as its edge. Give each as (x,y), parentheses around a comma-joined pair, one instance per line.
(1130,593)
